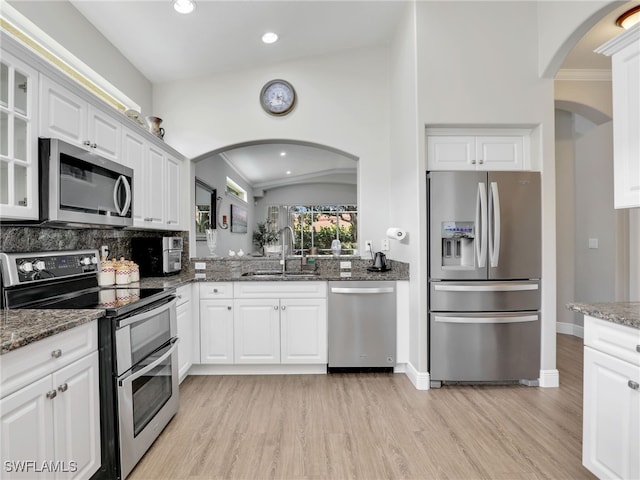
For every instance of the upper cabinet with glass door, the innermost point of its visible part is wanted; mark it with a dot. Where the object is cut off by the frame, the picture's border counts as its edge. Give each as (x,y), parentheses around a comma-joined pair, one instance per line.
(18,139)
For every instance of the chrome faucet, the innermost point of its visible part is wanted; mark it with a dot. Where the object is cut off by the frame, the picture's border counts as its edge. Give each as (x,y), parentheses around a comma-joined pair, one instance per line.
(284,256)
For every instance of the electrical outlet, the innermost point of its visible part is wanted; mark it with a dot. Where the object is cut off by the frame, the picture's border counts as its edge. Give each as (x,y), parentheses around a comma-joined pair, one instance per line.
(200,266)
(368,245)
(385,244)
(104,251)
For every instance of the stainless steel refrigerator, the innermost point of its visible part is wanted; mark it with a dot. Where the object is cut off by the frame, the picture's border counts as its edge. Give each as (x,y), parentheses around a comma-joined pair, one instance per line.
(484,231)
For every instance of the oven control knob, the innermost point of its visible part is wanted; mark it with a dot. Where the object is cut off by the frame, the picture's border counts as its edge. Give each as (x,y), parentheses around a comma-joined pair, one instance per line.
(39,265)
(86,261)
(26,267)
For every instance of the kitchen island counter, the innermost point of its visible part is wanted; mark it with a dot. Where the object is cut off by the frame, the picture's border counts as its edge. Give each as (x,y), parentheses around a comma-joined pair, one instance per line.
(22,327)
(622,313)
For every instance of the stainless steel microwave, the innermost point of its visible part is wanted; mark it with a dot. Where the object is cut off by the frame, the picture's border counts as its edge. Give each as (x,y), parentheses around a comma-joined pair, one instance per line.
(79,187)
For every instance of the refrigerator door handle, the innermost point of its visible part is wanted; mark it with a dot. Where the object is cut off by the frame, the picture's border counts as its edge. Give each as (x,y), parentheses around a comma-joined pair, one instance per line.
(476,320)
(481,220)
(494,232)
(496,287)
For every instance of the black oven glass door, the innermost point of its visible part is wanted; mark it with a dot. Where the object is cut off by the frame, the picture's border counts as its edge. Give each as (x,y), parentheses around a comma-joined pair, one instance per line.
(147,400)
(139,335)
(151,389)
(89,188)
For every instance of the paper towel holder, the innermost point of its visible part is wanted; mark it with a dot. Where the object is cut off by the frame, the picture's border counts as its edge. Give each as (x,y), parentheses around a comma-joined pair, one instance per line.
(396,233)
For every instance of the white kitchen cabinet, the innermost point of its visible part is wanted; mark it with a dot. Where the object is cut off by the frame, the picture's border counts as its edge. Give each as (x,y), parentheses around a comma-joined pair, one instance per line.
(54,420)
(216,323)
(186,331)
(67,116)
(466,152)
(173,192)
(18,139)
(216,331)
(157,177)
(280,322)
(611,416)
(303,330)
(625,75)
(256,330)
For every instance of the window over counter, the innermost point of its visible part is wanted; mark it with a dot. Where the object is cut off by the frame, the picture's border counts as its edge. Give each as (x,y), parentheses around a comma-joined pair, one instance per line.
(317,226)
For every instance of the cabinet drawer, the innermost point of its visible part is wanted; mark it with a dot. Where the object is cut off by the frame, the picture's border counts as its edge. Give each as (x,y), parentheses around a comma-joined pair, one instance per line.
(27,364)
(212,290)
(618,341)
(280,289)
(183,294)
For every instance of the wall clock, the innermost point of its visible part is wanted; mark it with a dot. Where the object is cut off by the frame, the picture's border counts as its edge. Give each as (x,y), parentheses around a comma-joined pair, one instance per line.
(278,97)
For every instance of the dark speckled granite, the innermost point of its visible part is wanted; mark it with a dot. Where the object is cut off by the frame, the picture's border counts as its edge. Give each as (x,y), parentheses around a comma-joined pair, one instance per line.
(622,313)
(22,327)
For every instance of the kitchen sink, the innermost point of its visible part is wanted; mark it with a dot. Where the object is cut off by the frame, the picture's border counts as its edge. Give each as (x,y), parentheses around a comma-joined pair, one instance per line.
(279,274)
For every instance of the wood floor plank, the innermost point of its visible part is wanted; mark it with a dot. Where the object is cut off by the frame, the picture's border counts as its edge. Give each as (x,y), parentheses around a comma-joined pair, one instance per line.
(371,426)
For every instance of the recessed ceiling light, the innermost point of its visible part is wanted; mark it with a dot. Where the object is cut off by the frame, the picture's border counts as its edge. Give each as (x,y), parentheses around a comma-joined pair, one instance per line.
(270,37)
(283,154)
(288,172)
(184,6)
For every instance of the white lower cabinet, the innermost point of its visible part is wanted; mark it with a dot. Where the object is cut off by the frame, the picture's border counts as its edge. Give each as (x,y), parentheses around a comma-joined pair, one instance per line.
(611,416)
(53,425)
(256,330)
(303,330)
(216,331)
(263,323)
(186,331)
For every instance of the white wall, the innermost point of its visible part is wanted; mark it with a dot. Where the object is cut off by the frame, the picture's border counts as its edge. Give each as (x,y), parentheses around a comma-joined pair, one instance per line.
(565,217)
(214,172)
(61,21)
(595,269)
(343,103)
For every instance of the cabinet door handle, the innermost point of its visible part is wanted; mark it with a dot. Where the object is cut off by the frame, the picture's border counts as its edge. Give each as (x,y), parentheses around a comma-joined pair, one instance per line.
(473,162)
(63,388)
(86,143)
(51,394)
(481,161)
(275,307)
(633,385)
(229,308)
(638,348)
(94,145)
(215,290)
(56,353)
(284,307)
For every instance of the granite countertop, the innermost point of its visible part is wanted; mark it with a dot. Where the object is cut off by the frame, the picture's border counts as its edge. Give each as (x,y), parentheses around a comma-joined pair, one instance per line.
(622,313)
(22,327)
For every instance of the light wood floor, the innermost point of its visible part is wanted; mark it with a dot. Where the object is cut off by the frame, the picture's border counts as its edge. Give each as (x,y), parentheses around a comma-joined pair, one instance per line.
(372,426)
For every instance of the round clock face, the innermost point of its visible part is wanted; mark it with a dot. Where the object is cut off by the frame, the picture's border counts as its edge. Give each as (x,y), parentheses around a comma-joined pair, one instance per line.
(278,97)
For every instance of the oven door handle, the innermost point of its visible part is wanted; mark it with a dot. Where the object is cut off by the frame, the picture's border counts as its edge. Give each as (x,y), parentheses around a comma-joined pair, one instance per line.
(131,378)
(151,312)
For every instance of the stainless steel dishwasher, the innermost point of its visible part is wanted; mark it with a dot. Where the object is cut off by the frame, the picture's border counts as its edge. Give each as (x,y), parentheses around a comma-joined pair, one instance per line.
(362,325)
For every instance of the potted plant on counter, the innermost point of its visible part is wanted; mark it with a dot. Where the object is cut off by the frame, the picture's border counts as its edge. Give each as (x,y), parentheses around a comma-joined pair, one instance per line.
(264,235)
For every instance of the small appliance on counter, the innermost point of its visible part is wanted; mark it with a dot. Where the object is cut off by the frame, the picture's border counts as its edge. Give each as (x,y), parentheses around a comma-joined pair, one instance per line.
(157,256)
(379,263)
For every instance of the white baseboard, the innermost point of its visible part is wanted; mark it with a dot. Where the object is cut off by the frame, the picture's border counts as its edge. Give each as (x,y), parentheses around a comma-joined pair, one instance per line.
(549,378)
(570,329)
(420,380)
(212,369)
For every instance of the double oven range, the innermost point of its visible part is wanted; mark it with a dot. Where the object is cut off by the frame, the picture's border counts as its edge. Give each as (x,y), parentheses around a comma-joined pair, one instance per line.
(137,345)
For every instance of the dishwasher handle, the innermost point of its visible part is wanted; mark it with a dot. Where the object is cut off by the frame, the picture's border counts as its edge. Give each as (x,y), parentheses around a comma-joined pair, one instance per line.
(362,291)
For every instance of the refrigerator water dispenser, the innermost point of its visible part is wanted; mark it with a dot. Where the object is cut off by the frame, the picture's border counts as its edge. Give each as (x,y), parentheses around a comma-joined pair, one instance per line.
(458,244)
